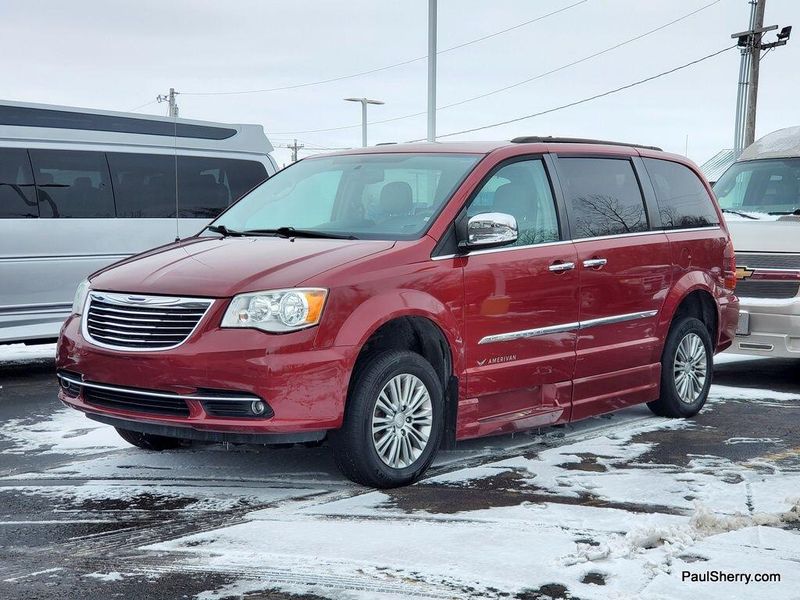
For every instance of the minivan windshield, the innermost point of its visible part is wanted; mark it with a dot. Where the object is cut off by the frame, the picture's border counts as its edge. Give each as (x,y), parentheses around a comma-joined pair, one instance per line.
(769,186)
(389,196)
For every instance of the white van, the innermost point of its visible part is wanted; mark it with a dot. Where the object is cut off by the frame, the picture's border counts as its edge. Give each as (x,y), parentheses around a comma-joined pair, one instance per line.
(760,194)
(80,189)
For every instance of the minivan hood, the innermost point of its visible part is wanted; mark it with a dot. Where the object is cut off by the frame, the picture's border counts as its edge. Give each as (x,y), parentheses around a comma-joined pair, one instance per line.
(222,267)
(765,236)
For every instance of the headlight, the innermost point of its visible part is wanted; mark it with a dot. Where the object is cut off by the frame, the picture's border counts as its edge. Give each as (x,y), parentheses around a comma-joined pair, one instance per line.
(80,297)
(276,311)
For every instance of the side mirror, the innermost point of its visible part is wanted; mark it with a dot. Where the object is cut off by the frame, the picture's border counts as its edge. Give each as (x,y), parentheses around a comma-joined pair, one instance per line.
(489,230)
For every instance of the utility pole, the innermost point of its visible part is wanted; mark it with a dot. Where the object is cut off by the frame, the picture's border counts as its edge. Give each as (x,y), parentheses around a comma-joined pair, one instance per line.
(751,44)
(173,105)
(755,58)
(432,17)
(364,102)
(294,148)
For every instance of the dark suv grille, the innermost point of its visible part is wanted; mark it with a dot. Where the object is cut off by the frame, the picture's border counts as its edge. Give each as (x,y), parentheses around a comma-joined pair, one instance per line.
(747,288)
(142,322)
(135,402)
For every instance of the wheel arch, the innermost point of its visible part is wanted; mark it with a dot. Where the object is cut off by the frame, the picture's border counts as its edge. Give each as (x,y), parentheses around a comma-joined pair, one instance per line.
(410,320)
(693,295)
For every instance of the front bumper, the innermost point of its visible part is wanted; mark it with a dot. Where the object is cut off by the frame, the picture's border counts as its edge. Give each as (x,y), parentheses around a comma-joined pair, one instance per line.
(305,388)
(773,329)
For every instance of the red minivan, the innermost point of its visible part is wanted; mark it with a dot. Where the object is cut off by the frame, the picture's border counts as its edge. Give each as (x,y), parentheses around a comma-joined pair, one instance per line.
(396,299)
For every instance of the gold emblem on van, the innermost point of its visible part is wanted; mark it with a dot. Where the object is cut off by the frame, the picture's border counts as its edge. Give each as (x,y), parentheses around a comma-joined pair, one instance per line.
(744,273)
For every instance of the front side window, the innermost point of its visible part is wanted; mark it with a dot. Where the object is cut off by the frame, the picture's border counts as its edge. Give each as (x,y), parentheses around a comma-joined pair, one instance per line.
(522,190)
(371,196)
(603,196)
(72,184)
(17,195)
(769,186)
(207,186)
(682,198)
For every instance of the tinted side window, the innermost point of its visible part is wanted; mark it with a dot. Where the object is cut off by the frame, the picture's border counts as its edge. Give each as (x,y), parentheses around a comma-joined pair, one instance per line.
(603,196)
(682,198)
(144,184)
(521,189)
(17,195)
(72,184)
(207,186)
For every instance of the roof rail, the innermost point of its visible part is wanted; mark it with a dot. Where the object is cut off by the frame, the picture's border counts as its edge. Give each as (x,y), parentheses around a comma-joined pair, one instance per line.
(537,139)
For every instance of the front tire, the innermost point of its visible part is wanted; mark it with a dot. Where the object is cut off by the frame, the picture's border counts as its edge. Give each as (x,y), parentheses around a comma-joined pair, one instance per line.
(686,369)
(148,441)
(393,421)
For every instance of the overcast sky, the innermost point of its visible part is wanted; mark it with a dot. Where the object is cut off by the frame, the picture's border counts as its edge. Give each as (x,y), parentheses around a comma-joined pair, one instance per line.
(119,55)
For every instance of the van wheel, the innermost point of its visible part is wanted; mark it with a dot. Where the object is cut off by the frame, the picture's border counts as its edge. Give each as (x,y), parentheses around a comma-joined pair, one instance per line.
(393,421)
(686,369)
(148,441)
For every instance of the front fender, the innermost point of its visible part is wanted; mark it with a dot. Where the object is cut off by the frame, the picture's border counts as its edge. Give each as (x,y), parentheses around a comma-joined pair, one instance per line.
(377,310)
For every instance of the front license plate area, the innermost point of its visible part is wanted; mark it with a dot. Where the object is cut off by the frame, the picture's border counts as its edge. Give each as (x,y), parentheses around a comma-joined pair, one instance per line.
(743,327)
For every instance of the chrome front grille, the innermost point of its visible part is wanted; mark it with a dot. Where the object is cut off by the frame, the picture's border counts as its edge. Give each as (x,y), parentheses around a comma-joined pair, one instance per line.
(753,288)
(754,260)
(136,322)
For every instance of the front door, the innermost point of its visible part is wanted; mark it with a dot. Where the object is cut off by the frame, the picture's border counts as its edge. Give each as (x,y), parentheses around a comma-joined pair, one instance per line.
(521,310)
(625,271)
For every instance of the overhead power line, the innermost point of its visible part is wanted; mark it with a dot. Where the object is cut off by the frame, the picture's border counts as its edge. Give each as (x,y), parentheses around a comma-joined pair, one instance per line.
(584,100)
(518,83)
(142,106)
(387,67)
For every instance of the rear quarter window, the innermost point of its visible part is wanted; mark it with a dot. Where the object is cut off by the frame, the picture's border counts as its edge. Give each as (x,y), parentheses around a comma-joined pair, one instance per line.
(683,201)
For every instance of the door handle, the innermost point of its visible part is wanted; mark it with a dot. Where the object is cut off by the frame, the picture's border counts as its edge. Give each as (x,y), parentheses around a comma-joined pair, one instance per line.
(595,263)
(559,267)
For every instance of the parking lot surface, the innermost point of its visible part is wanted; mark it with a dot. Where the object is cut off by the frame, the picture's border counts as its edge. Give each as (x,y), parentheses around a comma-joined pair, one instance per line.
(621,506)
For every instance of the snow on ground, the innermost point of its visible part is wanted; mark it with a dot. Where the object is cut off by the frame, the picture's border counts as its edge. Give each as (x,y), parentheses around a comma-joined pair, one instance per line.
(584,515)
(65,431)
(13,353)
(598,514)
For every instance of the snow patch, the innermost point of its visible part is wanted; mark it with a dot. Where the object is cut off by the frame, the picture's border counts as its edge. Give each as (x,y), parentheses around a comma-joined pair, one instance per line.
(12,353)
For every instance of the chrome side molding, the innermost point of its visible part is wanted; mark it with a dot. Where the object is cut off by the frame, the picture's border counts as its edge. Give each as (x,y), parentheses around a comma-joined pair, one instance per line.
(539,331)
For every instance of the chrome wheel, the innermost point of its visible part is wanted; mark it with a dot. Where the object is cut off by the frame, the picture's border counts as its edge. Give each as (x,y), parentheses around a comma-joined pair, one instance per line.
(402,420)
(690,368)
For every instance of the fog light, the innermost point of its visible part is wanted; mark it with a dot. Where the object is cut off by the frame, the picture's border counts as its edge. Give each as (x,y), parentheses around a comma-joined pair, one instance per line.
(257,407)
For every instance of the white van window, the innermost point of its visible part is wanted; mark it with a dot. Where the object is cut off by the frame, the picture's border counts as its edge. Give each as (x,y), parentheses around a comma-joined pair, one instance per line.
(207,186)
(144,184)
(761,186)
(71,184)
(17,194)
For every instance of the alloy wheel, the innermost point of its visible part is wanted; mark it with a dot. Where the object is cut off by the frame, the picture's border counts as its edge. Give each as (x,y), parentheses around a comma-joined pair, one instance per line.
(690,368)
(402,421)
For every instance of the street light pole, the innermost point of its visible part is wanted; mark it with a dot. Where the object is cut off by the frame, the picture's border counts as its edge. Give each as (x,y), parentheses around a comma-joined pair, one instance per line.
(432,10)
(364,102)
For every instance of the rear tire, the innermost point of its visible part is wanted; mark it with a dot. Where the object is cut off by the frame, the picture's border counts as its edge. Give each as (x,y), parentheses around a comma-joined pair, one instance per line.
(393,421)
(686,370)
(148,441)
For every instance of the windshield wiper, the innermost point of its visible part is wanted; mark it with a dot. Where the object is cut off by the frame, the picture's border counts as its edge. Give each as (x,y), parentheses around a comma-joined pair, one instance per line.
(224,231)
(305,233)
(741,214)
(796,211)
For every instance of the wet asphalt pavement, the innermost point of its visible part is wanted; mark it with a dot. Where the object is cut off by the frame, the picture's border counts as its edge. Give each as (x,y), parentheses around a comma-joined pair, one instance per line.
(74,517)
